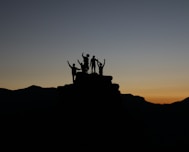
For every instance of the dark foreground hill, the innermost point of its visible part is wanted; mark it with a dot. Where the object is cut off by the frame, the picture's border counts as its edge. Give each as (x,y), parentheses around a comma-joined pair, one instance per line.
(91,112)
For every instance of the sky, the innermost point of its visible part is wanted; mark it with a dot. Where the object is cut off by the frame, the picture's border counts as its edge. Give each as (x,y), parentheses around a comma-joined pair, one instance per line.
(145,44)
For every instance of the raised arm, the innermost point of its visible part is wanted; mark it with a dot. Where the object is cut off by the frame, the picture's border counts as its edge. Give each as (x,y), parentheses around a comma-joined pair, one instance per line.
(98,62)
(69,64)
(104,62)
(79,62)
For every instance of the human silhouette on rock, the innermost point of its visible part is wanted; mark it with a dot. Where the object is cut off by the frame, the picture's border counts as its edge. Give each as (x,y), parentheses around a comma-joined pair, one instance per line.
(86,61)
(100,67)
(83,67)
(93,64)
(74,71)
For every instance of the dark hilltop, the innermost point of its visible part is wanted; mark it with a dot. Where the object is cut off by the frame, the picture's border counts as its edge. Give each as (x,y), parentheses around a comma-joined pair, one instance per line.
(92,111)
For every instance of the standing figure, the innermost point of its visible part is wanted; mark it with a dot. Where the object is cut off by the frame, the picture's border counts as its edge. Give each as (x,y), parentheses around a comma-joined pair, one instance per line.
(86,61)
(100,67)
(74,71)
(93,64)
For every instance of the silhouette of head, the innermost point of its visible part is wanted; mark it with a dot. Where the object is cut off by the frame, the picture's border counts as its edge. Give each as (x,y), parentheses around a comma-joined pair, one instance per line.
(87,55)
(73,64)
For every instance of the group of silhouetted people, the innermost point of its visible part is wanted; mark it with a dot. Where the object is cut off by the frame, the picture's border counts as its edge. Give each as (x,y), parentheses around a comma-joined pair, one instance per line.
(85,65)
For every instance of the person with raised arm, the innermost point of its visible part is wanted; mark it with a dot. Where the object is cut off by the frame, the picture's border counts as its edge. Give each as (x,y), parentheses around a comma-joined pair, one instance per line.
(83,68)
(74,70)
(100,67)
(86,61)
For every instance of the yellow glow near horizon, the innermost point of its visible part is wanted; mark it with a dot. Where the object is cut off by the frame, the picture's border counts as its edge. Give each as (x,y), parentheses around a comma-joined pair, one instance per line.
(164,100)
(157,96)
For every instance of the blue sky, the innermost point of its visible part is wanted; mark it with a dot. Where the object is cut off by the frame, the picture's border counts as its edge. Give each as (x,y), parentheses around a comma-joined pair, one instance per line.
(145,43)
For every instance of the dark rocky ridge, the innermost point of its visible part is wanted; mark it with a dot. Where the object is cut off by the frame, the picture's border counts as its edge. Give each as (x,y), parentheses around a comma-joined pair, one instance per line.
(94,103)
(92,112)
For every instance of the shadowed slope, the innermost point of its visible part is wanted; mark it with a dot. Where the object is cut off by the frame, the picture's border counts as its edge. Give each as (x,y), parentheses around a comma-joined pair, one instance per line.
(92,112)
(92,109)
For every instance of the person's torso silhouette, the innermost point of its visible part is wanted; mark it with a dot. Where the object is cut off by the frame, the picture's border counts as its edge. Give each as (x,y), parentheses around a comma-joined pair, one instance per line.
(101,66)
(86,61)
(93,64)
(74,70)
(83,67)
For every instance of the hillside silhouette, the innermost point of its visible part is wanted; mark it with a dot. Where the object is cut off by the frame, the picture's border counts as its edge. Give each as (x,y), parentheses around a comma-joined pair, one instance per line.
(92,111)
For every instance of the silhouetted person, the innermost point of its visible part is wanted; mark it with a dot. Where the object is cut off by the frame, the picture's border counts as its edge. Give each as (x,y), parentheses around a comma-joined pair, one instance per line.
(86,61)
(74,71)
(100,67)
(93,64)
(83,68)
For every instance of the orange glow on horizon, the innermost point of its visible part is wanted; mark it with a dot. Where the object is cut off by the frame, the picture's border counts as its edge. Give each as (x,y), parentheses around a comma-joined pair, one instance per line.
(163,100)
(162,97)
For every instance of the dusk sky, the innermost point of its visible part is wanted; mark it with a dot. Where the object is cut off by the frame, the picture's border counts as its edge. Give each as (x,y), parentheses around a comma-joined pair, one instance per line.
(145,44)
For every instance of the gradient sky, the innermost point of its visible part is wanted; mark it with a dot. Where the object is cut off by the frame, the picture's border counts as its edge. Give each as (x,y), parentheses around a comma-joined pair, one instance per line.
(145,43)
